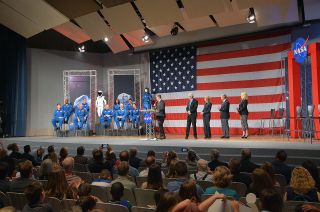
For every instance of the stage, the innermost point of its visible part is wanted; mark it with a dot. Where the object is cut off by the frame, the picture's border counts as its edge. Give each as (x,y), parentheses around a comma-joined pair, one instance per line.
(263,147)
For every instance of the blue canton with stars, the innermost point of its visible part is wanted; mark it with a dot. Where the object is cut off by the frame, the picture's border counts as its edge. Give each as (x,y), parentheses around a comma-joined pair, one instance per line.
(173,70)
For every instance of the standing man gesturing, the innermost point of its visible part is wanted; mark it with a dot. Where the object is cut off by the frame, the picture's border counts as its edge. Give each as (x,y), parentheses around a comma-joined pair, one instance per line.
(192,107)
(224,116)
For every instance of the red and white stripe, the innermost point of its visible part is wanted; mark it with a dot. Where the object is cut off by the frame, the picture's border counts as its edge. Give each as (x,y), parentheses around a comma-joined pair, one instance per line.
(252,64)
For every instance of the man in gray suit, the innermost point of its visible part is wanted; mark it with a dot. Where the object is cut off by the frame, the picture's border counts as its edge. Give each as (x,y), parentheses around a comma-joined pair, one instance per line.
(224,116)
(160,115)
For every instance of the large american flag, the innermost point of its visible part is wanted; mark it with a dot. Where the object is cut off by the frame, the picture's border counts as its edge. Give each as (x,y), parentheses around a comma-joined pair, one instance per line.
(252,64)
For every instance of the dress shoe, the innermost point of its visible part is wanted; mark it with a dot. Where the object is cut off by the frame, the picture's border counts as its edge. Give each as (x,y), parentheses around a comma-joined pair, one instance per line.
(186,137)
(195,137)
(227,137)
(246,137)
(162,137)
(222,136)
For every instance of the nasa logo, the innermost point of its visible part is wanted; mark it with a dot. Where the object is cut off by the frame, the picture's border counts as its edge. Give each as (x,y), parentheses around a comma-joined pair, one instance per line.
(300,50)
(147,118)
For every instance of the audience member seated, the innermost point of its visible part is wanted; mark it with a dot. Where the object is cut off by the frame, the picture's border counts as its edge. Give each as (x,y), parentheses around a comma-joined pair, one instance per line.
(245,164)
(260,180)
(181,176)
(97,164)
(68,165)
(79,158)
(110,156)
(215,162)
(84,190)
(38,155)
(27,156)
(63,155)
(302,187)
(87,203)
(168,157)
(124,156)
(123,171)
(192,160)
(134,161)
(188,190)
(270,200)
(25,169)
(57,185)
(116,191)
(222,178)
(35,197)
(54,159)
(308,207)
(171,173)
(4,182)
(50,149)
(45,168)
(234,166)
(202,173)
(268,168)
(104,179)
(14,148)
(149,161)
(10,161)
(280,167)
(155,178)
(167,202)
(312,169)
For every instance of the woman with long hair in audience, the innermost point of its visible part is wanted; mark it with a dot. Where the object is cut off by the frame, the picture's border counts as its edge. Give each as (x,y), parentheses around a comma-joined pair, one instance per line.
(154,180)
(222,178)
(267,166)
(57,185)
(172,169)
(188,190)
(168,157)
(260,180)
(63,155)
(167,201)
(302,186)
(243,111)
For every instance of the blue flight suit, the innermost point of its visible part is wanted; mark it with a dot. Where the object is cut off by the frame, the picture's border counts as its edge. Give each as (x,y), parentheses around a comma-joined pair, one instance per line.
(86,106)
(128,109)
(68,109)
(146,99)
(106,117)
(58,117)
(120,118)
(82,115)
(135,117)
(115,108)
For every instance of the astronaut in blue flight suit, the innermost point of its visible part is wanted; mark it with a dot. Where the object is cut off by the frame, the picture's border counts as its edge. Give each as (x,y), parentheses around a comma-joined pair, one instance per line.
(146,99)
(85,105)
(106,116)
(80,118)
(120,117)
(129,108)
(135,115)
(58,117)
(68,110)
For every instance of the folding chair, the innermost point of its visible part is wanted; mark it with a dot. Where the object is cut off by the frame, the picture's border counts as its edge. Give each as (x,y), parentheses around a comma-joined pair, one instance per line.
(117,208)
(144,197)
(80,167)
(68,204)
(4,199)
(240,188)
(140,181)
(86,176)
(55,203)
(18,200)
(127,195)
(100,192)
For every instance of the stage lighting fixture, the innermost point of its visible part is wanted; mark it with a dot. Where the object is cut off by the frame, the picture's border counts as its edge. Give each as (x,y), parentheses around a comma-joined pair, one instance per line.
(81,48)
(251,17)
(105,39)
(174,31)
(146,38)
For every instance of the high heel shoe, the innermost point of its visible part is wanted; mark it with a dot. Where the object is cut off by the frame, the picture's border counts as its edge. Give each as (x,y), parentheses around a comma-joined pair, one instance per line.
(243,136)
(246,137)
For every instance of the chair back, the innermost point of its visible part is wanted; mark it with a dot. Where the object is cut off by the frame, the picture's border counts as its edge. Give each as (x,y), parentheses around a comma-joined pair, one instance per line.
(4,199)
(55,204)
(289,206)
(144,197)
(240,188)
(95,175)
(127,195)
(86,176)
(140,181)
(78,167)
(102,206)
(205,184)
(310,110)
(18,200)
(272,113)
(281,113)
(68,204)
(100,192)
(281,179)
(142,209)
(117,208)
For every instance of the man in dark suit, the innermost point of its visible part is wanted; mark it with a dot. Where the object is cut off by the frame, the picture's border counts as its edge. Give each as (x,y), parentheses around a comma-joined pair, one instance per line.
(160,115)
(279,165)
(192,107)
(224,116)
(245,164)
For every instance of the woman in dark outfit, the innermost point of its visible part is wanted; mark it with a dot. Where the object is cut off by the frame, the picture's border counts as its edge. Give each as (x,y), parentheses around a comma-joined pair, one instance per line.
(206,114)
(243,111)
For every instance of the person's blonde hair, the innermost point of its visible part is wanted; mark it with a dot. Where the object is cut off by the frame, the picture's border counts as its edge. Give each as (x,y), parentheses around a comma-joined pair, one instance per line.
(301,180)
(207,99)
(244,95)
(222,177)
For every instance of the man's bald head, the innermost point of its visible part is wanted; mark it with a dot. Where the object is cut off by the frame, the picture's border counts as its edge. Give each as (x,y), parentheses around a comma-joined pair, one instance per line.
(202,165)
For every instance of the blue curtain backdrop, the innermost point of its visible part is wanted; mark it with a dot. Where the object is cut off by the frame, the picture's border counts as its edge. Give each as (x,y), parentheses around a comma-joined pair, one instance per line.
(13,81)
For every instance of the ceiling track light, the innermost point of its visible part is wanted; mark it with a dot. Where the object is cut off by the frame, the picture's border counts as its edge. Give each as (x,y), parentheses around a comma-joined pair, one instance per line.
(105,39)
(175,30)
(81,48)
(252,16)
(146,36)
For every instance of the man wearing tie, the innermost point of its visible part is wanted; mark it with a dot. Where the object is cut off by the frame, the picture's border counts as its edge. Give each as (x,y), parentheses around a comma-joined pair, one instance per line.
(224,116)
(160,115)
(192,107)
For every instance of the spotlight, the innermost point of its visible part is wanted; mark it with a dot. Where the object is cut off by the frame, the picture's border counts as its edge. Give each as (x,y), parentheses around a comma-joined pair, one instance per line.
(106,39)
(146,38)
(81,48)
(251,17)
(174,31)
